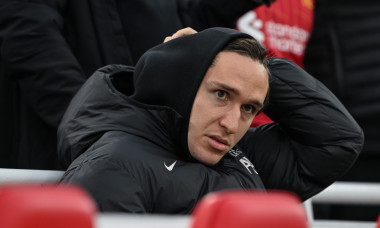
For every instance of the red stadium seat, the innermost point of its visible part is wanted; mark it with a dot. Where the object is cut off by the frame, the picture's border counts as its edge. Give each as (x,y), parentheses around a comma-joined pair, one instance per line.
(378,222)
(240,209)
(50,206)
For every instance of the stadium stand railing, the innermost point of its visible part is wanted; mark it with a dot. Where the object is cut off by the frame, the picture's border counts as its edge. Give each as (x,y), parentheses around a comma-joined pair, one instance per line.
(339,192)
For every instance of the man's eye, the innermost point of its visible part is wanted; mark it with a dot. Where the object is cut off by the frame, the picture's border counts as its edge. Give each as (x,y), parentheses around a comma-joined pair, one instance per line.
(220,94)
(248,108)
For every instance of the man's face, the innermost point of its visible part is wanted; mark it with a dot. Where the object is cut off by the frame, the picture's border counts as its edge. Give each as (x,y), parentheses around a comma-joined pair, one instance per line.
(230,95)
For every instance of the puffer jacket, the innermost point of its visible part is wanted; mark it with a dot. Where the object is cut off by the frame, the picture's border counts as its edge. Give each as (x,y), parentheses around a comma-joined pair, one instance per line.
(124,134)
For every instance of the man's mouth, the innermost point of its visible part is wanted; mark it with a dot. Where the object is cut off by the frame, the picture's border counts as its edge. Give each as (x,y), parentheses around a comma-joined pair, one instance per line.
(218,143)
(219,139)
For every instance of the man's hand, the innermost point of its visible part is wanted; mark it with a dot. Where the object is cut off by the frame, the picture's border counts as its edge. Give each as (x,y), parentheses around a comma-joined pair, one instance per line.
(179,33)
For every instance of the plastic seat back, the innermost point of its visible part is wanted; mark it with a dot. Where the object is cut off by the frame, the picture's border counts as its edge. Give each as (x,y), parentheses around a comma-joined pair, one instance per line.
(50,206)
(240,209)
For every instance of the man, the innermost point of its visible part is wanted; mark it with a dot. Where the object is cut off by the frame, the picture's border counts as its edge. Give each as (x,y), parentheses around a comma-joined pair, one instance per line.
(158,139)
(48,48)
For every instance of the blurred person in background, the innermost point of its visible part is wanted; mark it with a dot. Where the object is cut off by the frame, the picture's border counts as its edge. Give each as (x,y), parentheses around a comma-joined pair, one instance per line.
(344,54)
(283,28)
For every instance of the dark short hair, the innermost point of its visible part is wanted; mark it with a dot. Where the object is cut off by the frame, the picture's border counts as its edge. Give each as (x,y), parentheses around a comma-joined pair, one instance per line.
(253,49)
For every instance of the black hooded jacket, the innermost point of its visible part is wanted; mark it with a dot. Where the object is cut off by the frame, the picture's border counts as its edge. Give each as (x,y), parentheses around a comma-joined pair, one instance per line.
(125,133)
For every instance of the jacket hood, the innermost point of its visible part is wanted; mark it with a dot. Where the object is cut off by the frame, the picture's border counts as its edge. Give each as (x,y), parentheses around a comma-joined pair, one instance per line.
(171,73)
(102,105)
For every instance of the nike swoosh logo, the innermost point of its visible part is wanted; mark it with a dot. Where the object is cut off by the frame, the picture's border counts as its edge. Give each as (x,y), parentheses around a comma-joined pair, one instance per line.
(170,167)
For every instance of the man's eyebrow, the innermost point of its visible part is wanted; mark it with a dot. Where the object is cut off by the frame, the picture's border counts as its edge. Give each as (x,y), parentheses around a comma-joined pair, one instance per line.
(235,91)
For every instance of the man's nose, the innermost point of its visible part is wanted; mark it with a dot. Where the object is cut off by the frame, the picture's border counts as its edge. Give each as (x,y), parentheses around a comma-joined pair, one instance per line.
(230,120)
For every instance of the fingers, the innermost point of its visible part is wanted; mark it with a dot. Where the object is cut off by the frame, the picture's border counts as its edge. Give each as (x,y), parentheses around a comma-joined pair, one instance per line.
(179,33)
(167,39)
(183,32)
